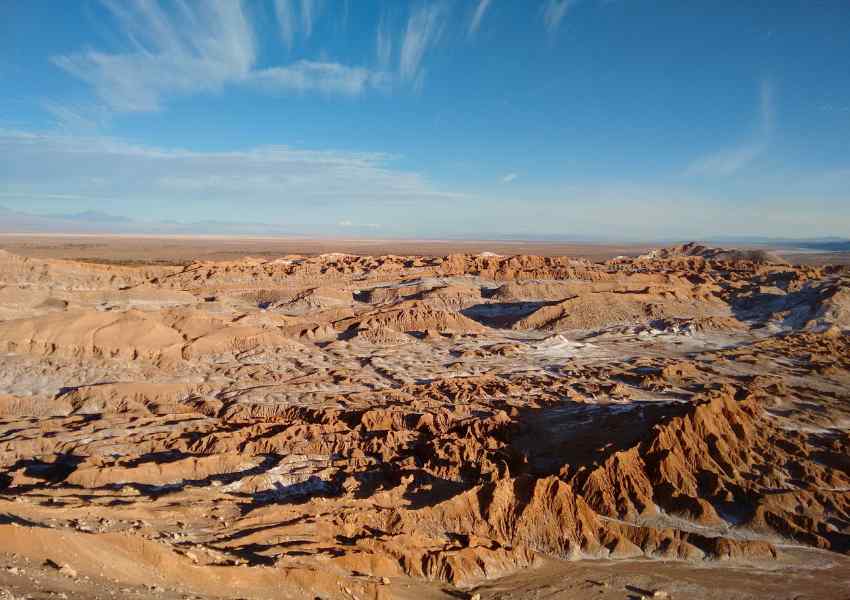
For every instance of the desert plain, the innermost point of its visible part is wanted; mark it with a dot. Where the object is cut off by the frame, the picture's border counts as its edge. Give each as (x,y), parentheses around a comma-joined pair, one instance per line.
(235,419)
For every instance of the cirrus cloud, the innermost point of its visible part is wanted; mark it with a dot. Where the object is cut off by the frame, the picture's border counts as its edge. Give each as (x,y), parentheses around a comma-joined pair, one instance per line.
(554,12)
(731,160)
(199,48)
(478,16)
(424,29)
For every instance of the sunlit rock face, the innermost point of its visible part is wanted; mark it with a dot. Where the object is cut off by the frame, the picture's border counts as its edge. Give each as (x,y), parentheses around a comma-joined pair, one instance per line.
(387,426)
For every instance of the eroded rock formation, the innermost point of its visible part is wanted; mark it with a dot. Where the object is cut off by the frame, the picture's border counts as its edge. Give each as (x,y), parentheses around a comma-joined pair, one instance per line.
(348,419)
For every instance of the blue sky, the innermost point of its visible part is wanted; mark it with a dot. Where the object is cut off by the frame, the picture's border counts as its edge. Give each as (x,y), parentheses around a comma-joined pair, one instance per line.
(611,119)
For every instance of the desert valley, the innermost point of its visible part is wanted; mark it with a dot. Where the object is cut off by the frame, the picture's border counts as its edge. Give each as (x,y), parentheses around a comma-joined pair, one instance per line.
(424,300)
(674,424)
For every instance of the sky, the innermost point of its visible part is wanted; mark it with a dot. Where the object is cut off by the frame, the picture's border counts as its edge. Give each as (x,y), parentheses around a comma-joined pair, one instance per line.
(569,119)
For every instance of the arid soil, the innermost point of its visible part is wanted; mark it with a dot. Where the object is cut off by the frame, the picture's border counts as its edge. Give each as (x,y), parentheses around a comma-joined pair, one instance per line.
(183,250)
(128,250)
(673,425)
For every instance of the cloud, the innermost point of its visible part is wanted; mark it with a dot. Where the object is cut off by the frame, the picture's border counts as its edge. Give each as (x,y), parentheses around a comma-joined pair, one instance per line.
(274,182)
(313,192)
(309,13)
(383,45)
(554,12)
(165,50)
(477,17)
(304,76)
(198,48)
(349,224)
(731,160)
(726,162)
(424,28)
(509,177)
(76,117)
(189,51)
(284,9)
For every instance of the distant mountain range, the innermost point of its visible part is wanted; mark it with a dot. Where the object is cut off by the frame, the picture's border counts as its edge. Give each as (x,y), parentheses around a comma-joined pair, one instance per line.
(830,246)
(94,222)
(825,244)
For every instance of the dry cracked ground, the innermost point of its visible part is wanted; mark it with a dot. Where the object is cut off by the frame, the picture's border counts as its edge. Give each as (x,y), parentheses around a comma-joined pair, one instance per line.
(674,425)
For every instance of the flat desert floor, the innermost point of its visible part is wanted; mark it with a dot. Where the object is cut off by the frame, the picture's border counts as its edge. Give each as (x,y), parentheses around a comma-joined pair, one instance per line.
(182,250)
(233,418)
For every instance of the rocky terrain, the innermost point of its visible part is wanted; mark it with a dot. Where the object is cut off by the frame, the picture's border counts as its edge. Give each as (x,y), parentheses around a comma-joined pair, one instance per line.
(675,424)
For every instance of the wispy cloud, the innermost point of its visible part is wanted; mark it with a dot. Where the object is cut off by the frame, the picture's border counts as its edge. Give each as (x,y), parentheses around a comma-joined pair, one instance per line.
(191,50)
(280,185)
(383,44)
(731,160)
(94,171)
(285,11)
(306,76)
(477,17)
(163,50)
(727,162)
(309,13)
(509,177)
(286,16)
(348,223)
(424,28)
(76,118)
(198,48)
(554,12)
